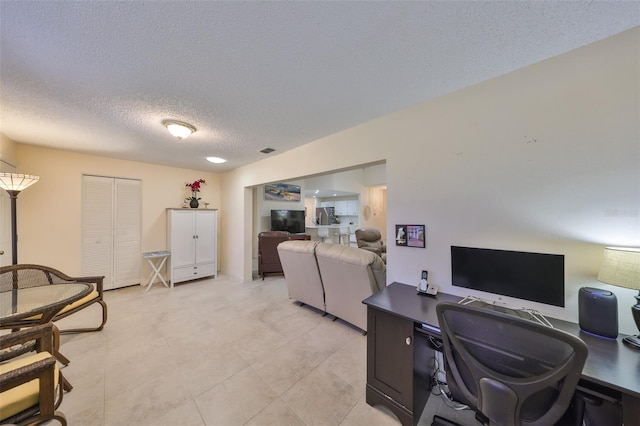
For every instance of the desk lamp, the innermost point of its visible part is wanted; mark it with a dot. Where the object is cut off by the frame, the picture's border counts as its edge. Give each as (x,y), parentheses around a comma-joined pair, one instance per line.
(13,183)
(621,267)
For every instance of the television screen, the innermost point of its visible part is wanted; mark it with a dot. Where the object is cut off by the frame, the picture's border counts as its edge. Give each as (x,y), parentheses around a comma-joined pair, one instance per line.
(288,220)
(536,277)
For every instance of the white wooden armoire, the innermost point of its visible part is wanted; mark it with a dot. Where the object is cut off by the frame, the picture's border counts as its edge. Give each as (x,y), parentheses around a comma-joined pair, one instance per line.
(192,239)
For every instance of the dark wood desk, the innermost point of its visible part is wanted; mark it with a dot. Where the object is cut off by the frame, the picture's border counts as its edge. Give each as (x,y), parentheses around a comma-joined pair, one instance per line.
(399,350)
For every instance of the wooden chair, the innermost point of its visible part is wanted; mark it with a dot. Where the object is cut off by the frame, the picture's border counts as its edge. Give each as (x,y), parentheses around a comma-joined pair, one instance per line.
(268,258)
(25,275)
(31,386)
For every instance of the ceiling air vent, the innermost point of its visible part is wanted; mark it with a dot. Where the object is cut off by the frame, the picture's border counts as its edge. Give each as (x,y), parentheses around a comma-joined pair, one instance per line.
(266,150)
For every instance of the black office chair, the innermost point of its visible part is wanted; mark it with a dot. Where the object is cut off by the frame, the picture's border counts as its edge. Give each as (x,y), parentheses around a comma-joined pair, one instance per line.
(510,370)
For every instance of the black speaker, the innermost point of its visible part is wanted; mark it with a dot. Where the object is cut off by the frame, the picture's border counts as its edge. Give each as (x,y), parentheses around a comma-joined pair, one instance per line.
(598,312)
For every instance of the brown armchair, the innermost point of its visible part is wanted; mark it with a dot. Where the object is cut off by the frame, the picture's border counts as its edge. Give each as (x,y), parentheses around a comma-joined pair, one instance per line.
(30,386)
(371,240)
(268,258)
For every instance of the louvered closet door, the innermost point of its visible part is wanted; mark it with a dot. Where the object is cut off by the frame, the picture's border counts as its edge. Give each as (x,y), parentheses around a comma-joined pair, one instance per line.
(127,232)
(111,224)
(97,228)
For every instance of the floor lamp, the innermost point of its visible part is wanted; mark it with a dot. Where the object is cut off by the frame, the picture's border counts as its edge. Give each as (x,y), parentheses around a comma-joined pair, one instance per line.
(13,183)
(621,267)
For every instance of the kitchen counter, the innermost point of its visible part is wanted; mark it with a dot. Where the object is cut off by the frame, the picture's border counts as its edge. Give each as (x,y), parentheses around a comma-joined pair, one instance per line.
(333,229)
(335,225)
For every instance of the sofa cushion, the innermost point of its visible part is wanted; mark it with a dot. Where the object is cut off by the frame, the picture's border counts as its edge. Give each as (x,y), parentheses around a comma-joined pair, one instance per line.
(88,298)
(301,272)
(349,276)
(359,257)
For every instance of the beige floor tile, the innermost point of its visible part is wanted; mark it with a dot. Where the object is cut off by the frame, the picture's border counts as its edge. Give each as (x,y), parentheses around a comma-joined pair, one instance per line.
(204,370)
(236,400)
(365,415)
(321,398)
(276,414)
(291,362)
(84,405)
(148,401)
(186,414)
(217,352)
(350,363)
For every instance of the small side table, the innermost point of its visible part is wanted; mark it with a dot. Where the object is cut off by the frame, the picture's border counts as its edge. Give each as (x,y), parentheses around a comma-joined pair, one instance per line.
(157,260)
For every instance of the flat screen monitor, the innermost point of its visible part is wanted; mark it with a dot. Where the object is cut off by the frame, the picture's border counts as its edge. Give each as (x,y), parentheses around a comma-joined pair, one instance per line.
(288,220)
(537,277)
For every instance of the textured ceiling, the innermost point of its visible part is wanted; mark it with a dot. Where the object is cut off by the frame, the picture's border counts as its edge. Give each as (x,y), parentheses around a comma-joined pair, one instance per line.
(100,76)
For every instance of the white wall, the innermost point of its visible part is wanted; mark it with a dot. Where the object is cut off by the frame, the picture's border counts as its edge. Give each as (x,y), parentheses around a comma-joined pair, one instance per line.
(543,159)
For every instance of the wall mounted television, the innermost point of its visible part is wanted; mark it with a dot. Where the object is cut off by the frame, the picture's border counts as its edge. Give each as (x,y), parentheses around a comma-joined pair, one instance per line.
(288,220)
(536,277)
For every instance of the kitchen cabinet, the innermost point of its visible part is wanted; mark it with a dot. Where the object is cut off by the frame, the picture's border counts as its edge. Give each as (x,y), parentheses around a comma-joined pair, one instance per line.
(352,207)
(346,207)
(192,240)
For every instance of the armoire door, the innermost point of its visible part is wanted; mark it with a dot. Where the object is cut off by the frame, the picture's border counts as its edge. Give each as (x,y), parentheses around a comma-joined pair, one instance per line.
(206,237)
(183,238)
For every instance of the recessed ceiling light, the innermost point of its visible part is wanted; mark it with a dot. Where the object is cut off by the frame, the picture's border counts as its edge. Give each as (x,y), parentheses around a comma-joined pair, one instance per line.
(216,160)
(179,129)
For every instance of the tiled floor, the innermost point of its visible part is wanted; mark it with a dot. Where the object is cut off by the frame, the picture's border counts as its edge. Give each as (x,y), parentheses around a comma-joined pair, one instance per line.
(216,352)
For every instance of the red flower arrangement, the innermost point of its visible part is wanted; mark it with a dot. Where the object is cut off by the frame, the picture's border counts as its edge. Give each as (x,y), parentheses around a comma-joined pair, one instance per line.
(195,188)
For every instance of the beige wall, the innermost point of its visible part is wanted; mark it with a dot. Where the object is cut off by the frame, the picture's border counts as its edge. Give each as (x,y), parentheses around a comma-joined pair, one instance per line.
(49,212)
(543,159)
(7,150)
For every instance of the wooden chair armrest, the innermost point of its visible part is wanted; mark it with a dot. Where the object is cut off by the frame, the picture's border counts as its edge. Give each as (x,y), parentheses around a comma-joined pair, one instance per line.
(98,281)
(51,272)
(42,334)
(26,373)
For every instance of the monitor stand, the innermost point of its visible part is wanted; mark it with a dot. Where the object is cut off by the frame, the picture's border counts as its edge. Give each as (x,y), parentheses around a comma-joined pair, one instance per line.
(525,313)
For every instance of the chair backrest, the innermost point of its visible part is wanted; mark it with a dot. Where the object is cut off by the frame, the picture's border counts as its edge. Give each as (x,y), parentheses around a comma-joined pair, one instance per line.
(31,384)
(349,275)
(301,272)
(369,238)
(268,259)
(513,370)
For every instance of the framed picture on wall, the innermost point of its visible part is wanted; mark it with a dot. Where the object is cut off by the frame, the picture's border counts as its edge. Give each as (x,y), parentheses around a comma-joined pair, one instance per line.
(415,236)
(401,235)
(410,236)
(281,192)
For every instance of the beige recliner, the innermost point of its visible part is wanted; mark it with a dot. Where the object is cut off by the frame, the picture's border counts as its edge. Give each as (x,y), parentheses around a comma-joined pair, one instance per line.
(371,239)
(349,276)
(301,272)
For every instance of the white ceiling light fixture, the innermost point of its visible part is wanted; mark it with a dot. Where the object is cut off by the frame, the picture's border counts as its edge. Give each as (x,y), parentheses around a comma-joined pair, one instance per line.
(179,129)
(216,160)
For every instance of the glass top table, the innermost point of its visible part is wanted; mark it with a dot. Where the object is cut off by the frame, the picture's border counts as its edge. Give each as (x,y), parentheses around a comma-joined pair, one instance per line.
(47,300)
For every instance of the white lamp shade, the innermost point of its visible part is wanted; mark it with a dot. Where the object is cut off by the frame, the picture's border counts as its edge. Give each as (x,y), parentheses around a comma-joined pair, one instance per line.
(621,267)
(16,181)
(179,129)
